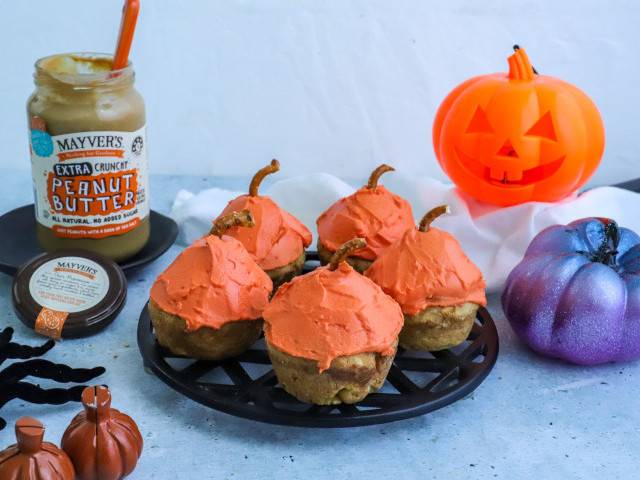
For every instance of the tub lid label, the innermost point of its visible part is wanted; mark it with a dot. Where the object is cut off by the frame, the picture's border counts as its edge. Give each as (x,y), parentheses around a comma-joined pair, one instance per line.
(69,284)
(89,184)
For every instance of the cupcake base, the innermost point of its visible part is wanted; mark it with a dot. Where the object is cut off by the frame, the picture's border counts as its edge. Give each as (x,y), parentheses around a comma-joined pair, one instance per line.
(438,328)
(286,273)
(359,264)
(349,379)
(206,343)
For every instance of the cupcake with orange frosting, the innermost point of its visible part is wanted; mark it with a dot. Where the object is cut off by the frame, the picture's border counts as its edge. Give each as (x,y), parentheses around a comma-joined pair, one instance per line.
(278,239)
(438,288)
(208,303)
(332,334)
(373,213)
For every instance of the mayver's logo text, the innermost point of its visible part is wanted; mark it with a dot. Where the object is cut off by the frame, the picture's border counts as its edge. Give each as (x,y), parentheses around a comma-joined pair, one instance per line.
(77,266)
(83,142)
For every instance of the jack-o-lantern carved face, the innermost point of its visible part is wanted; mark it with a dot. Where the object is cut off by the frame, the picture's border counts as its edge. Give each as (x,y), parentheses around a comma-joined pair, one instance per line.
(508,139)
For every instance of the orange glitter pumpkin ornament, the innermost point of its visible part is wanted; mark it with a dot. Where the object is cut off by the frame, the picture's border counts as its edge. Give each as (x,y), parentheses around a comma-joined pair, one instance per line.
(517,137)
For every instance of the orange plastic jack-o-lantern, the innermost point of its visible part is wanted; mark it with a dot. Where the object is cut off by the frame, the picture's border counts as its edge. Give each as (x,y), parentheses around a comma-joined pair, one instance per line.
(518,137)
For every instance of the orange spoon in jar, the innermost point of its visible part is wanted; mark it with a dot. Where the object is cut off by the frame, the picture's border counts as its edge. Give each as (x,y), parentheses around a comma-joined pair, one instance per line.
(125,38)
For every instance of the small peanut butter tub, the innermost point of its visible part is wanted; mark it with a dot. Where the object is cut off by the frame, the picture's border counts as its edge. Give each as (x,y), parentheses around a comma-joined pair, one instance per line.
(69,293)
(88,156)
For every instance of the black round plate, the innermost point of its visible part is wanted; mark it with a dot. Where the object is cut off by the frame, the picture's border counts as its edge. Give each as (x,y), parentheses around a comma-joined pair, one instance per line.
(246,386)
(19,243)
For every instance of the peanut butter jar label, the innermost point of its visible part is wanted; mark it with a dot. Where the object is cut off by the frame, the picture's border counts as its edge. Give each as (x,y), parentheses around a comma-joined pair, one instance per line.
(89,184)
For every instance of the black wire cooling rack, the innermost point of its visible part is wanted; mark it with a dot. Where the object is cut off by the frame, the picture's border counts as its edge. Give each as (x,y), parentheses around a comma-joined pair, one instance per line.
(246,386)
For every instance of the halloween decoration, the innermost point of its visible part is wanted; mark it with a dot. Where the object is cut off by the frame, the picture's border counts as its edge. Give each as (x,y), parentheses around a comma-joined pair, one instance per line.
(518,137)
(12,386)
(277,241)
(103,443)
(208,303)
(438,288)
(33,459)
(372,213)
(576,293)
(332,334)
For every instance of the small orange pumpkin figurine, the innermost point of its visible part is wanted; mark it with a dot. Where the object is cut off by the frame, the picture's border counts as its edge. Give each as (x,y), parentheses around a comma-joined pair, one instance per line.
(33,459)
(518,137)
(277,240)
(103,443)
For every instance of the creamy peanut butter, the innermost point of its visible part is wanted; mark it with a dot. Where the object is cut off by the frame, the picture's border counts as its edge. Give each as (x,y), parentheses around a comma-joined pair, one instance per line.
(88,156)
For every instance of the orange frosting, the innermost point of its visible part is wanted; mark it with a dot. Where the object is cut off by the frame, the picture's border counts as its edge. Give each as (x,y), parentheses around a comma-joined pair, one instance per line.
(428,269)
(326,314)
(212,282)
(277,238)
(375,214)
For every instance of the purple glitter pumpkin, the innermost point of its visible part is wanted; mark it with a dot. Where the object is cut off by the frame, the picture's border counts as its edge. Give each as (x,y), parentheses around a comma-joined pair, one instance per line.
(576,293)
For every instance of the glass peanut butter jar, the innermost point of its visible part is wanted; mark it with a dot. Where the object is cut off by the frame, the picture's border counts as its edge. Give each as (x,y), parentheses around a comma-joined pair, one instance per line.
(88,156)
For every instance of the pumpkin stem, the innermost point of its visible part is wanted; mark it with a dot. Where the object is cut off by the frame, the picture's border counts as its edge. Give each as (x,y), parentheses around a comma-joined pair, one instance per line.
(431,215)
(345,250)
(29,433)
(520,67)
(273,167)
(243,218)
(97,403)
(515,49)
(608,250)
(372,184)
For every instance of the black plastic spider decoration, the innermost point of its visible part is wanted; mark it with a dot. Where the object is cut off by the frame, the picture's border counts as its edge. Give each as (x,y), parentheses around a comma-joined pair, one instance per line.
(12,386)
